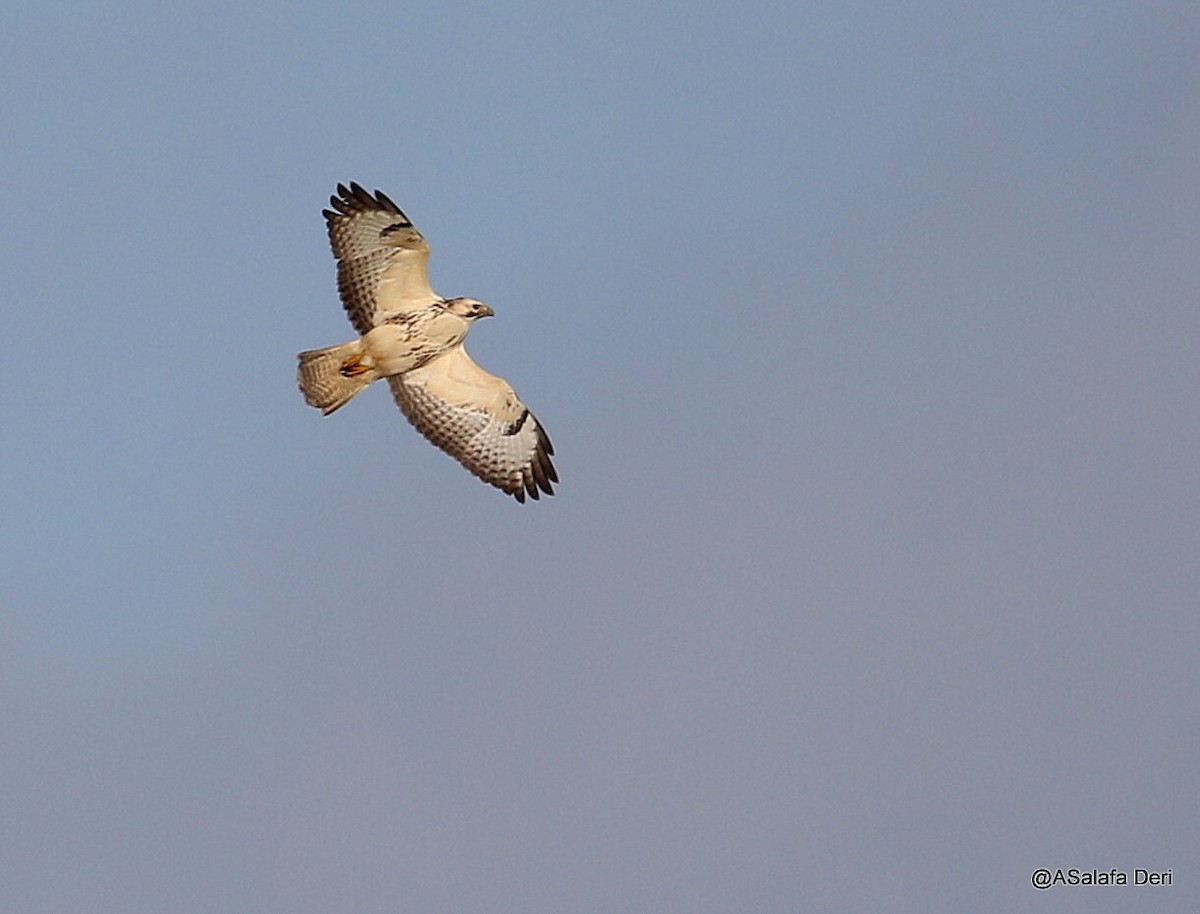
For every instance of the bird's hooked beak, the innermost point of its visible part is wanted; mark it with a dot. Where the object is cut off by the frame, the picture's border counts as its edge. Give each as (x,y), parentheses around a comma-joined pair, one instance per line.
(486,311)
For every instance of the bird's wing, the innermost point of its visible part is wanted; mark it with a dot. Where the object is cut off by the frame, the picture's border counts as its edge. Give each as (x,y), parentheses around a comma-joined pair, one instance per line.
(477,419)
(382,260)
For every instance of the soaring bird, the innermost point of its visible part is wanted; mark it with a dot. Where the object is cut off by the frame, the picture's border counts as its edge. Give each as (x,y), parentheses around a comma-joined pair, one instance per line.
(414,337)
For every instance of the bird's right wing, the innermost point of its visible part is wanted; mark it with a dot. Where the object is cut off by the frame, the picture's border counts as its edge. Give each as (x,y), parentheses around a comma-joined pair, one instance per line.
(382,260)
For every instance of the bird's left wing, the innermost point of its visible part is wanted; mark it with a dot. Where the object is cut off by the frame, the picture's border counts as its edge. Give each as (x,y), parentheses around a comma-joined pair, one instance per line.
(477,419)
(382,260)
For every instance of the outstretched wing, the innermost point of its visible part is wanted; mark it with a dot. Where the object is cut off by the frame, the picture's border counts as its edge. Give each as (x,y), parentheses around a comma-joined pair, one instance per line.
(383,261)
(477,419)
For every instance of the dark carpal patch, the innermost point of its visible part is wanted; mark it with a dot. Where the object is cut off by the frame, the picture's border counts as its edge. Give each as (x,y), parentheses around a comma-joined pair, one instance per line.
(516,425)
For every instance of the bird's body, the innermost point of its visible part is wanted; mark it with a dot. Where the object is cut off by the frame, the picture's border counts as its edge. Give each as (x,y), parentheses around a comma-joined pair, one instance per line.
(330,377)
(414,338)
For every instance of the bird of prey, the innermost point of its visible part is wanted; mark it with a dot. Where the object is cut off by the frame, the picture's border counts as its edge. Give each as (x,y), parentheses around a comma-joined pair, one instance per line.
(413,337)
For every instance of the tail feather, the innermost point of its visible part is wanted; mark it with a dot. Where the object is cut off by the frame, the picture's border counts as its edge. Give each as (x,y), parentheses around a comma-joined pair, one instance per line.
(329,378)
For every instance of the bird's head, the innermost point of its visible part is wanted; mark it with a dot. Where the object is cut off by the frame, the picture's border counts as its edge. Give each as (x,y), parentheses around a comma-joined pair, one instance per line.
(469,309)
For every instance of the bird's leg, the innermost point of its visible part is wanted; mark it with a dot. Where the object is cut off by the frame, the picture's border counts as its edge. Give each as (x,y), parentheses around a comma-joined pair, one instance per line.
(353,367)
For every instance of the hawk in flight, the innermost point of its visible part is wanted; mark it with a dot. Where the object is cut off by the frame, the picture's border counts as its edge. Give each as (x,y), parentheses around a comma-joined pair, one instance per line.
(413,337)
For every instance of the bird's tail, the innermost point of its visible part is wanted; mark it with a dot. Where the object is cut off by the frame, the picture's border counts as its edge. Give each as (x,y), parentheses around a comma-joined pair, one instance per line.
(330,378)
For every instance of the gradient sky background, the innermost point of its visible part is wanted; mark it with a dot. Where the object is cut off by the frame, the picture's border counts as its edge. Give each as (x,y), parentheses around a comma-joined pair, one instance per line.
(867,334)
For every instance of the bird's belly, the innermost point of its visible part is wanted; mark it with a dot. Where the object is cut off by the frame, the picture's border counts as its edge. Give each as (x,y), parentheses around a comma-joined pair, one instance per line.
(394,349)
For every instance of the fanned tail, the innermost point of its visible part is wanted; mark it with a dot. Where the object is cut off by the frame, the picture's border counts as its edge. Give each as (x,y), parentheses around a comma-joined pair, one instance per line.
(330,378)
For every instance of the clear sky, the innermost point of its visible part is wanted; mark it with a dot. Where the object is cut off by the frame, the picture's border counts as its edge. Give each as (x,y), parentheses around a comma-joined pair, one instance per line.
(867,335)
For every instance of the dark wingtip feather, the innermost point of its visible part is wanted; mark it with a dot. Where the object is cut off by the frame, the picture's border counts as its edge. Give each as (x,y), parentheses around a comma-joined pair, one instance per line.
(356,199)
(386,201)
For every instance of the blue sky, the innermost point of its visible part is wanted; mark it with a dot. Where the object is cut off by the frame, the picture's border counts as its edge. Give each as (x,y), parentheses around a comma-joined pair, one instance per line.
(867,338)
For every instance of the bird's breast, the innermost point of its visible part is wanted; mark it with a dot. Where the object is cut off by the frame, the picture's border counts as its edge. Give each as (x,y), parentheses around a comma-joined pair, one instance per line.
(400,346)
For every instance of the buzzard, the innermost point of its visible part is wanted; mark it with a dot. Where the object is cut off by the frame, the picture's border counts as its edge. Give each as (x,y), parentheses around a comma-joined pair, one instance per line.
(413,337)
